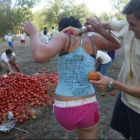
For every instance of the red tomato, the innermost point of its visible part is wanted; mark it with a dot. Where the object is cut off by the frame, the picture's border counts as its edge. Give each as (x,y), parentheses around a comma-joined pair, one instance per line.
(93,76)
(112,94)
(70,32)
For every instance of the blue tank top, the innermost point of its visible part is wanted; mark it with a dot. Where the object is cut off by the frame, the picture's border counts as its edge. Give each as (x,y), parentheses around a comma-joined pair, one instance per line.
(73,69)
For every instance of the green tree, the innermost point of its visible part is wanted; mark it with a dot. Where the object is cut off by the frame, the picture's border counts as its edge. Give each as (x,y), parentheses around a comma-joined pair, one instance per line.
(22,11)
(12,15)
(41,23)
(5,16)
(117,8)
(80,11)
(104,16)
(56,9)
(19,15)
(27,3)
(118,4)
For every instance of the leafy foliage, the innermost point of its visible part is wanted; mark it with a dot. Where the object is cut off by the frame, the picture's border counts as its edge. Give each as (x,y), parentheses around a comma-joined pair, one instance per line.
(41,23)
(5,16)
(20,15)
(117,8)
(12,15)
(105,17)
(56,9)
(27,3)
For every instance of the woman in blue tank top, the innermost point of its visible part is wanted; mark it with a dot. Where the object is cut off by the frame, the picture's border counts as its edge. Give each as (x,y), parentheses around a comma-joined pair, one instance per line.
(75,108)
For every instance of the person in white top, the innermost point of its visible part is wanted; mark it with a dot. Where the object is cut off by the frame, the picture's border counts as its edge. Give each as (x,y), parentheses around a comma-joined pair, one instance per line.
(103,62)
(9,39)
(22,38)
(53,32)
(8,60)
(126,114)
(45,38)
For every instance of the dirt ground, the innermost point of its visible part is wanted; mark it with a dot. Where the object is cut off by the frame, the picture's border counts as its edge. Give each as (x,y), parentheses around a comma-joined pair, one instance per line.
(45,125)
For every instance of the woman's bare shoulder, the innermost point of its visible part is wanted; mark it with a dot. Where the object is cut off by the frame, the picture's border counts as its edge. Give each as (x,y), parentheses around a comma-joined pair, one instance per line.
(61,34)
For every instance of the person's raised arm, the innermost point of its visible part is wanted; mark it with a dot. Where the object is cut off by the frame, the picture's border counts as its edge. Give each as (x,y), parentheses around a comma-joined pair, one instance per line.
(108,42)
(41,52)
(106,25)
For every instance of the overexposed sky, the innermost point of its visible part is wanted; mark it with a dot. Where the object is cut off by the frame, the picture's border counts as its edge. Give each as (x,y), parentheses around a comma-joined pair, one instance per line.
(97,6)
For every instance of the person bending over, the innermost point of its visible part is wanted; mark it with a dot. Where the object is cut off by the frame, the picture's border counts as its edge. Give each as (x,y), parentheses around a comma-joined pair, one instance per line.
(8,59)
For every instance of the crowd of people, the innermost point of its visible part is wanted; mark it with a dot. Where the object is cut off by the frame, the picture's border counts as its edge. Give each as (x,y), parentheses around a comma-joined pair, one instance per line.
(7,58)
(76,107)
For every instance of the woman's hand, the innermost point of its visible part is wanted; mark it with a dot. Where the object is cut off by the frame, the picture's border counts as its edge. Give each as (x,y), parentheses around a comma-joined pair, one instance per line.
(29,28)
(71,30)
(101,84)
(94,25)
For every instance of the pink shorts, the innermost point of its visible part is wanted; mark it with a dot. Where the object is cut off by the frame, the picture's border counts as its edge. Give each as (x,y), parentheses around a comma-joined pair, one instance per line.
(83,113)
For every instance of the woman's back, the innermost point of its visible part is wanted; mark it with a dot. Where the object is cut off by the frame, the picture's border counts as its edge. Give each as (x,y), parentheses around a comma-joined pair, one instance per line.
(87,43)
(73,67)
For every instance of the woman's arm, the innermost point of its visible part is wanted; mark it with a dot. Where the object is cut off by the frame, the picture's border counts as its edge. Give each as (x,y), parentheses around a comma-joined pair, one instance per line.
(109,43)
(131,90)
(102,85)
(43,52)
(106,25)
(8,67)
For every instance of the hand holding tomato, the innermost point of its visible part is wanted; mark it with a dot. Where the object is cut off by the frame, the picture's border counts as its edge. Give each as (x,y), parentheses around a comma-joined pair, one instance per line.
(102,83)
(93,76)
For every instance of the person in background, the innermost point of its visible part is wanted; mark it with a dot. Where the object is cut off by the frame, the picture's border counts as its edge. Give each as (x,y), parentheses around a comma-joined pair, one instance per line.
(53,32)
(45,38)
(112,56)
(42,33)
(126,114)
(8,59)
(9,39)
(22,38)
(75,108)
(103,62)
(112,53)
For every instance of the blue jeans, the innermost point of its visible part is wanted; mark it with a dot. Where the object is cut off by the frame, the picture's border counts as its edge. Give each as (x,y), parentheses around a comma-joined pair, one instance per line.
(10,43)
(102,68)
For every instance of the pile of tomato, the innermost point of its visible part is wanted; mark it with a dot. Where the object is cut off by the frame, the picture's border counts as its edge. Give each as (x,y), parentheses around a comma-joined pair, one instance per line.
(22,93)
